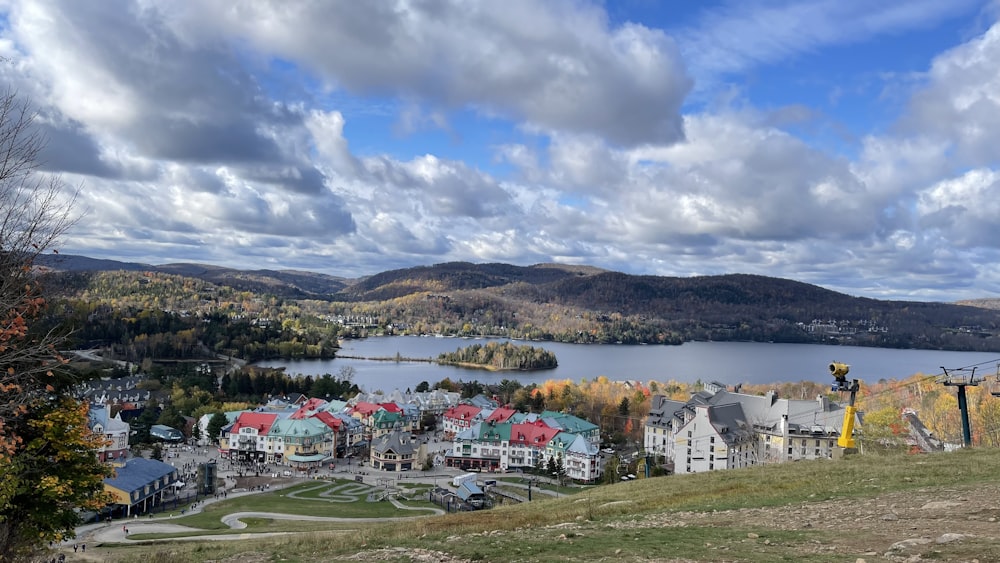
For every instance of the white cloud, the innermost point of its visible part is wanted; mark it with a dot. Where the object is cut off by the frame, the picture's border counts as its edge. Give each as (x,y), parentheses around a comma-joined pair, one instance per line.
(738,36)
(963,209)
(191,146)
(556,65)
(960,102)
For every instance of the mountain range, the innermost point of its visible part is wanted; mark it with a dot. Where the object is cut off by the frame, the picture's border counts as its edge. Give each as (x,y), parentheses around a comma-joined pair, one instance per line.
(610,305)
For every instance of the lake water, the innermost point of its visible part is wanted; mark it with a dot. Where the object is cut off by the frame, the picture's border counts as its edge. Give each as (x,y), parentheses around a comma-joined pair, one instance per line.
(725,362)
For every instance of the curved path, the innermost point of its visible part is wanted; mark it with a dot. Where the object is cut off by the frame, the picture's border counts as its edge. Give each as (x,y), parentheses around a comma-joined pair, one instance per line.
(113,534)
(235,520)
(335,492)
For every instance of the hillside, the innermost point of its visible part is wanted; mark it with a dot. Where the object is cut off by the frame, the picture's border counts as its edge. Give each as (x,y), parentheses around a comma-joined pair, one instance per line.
(290,284)
(941,507)
(984,303)
(590,305)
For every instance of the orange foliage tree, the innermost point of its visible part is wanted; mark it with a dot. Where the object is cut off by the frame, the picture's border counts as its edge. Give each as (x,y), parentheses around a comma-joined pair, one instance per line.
(47,460)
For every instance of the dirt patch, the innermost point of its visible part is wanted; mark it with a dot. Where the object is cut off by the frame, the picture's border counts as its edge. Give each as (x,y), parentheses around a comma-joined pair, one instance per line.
(940,524)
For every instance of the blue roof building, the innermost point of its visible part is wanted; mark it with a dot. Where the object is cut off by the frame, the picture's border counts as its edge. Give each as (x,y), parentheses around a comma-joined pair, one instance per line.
(140,484)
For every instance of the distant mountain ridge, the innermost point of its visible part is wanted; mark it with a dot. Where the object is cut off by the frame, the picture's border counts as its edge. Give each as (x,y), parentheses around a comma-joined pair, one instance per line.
(292,284)
(587,304)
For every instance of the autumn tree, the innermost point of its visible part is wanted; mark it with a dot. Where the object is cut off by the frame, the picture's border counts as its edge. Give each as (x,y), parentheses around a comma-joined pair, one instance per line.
(883,432)
(47,456)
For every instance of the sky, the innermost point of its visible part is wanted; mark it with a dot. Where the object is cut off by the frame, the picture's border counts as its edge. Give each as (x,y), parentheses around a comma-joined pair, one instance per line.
(845,143)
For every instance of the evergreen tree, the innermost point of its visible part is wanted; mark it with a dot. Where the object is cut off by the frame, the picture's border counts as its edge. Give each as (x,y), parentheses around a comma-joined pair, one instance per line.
(215,426)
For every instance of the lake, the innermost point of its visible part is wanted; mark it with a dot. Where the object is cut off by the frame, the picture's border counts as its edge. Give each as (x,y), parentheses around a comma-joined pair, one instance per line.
(725,362)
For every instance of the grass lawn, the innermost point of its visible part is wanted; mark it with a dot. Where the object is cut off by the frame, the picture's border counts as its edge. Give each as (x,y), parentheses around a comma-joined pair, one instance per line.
(636,520)
(210,517)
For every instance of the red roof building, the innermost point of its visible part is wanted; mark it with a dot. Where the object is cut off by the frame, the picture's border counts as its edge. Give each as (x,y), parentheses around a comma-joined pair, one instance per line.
(309,408)
(501,414)
(458,418)
(248,442)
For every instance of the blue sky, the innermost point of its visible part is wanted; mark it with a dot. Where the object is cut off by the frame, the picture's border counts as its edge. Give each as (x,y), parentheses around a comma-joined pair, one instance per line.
(844,143)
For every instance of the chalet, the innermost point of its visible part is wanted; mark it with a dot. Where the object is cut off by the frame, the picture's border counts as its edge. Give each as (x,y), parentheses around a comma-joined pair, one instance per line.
(354,433)
(412,417)
(526,448)
(247,438)
(114,431)
(384,421)
(581,459)
(480,447)
(459,418)
(396,451)
(303,442)
(364,413)
(491,446)
(338,431)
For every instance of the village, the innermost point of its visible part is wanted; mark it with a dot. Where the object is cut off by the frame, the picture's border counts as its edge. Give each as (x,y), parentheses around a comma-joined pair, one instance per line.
(384,440)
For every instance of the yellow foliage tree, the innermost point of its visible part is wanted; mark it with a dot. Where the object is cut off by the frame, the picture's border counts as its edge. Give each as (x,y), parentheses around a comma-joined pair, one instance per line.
(47,460)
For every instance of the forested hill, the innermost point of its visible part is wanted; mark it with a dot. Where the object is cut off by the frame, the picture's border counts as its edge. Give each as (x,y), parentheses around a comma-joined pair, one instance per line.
(291,284)
(587,305)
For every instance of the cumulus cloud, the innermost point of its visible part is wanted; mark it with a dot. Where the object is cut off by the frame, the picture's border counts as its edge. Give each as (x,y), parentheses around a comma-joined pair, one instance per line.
(222,132)
(556,65)
(960,101)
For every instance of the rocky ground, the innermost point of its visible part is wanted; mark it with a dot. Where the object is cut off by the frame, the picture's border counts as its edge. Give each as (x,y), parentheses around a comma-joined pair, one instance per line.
(940,524)
(955,525)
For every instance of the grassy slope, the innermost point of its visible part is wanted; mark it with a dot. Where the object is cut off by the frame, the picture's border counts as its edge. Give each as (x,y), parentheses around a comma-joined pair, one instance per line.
(600,523)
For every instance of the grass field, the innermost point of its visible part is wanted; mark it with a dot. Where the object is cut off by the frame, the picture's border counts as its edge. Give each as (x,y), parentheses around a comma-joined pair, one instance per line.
(737,515)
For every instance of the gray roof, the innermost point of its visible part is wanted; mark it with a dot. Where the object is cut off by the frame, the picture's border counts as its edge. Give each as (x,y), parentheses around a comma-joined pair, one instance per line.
(767,411)
(483,402)
(397,442)
(730,422)
(469,490)
(661,411)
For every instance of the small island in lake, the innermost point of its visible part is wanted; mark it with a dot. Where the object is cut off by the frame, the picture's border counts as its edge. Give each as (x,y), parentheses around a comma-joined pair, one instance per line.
(495,356)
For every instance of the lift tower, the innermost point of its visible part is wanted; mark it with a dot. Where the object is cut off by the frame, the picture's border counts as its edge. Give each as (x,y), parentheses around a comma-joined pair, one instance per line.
(839,372)
(961,378)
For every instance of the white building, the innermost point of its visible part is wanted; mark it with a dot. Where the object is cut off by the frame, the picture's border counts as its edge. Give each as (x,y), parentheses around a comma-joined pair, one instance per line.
(717,429)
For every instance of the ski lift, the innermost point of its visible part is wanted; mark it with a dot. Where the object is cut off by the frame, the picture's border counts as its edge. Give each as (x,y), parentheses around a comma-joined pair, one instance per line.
(993,383)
